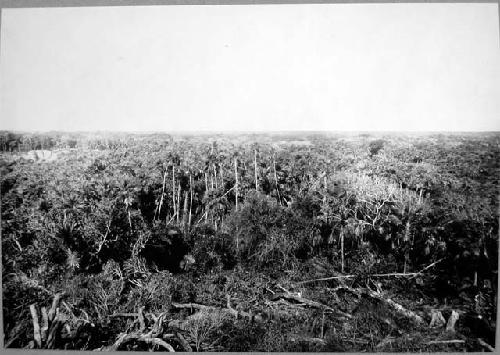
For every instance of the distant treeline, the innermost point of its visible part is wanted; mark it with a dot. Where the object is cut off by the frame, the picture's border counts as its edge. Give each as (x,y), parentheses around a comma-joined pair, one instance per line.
(23,142)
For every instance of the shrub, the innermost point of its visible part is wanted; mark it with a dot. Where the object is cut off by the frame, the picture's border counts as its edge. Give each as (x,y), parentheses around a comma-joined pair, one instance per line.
(307,205)
(154,293)
(203,326)
(19,292)
(99,294)
(184,290)
(375,146)
(266,234)
(165,248)
(249,226)
(214,252)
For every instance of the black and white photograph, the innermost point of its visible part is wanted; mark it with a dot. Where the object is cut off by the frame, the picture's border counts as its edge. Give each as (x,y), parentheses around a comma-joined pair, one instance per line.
(249,177)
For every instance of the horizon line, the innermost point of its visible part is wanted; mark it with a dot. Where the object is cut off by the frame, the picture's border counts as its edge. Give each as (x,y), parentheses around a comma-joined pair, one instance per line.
(230,132)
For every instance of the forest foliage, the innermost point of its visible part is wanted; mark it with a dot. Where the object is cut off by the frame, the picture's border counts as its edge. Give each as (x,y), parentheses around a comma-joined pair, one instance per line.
(144,224)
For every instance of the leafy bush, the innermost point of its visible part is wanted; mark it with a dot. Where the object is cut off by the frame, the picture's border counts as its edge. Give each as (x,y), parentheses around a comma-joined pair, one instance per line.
(184,289)
(213,252)
(100,294)
(249,225)
(268,234)
(375,146)
(164,248)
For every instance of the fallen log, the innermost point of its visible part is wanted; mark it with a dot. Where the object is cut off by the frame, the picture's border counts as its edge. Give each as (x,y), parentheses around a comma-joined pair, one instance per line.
(308,340)
(228,310)
(309,303)
(397,307)
(390,303)
(485,345)
(453,341)
(394,274)
(193,306)
(301,300)
(183,342)
(341,277)
(124,315)
(356,341)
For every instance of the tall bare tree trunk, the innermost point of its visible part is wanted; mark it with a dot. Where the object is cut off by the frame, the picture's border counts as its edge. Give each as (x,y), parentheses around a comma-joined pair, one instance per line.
(406,244)
(191,198)
(342,250)
(325,209)
(215,176)
(255,168)
(276,180)
(185,213)
(206,196)
(236,183)
(162,193)
(173,189)
(178,201)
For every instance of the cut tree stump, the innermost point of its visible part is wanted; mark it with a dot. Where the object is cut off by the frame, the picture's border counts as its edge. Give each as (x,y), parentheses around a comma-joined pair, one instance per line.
(450,326)
(437,319)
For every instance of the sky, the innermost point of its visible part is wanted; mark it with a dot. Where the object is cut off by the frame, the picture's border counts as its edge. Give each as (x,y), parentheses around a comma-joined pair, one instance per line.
(332,67)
